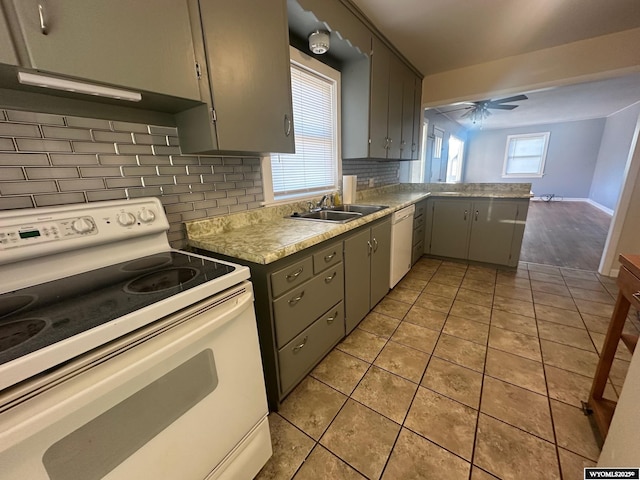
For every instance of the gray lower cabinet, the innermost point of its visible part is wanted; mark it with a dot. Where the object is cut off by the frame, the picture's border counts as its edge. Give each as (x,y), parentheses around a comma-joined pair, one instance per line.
(243,51)
(419,229)
(367,269)
(7,50)
(487,230)
(120,42)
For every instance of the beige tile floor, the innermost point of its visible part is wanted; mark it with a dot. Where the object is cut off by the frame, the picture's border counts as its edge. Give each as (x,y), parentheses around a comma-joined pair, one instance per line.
(461,372)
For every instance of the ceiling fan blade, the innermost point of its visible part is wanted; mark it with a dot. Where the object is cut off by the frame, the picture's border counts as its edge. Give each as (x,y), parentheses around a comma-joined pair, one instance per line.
(502,107)
(516,98)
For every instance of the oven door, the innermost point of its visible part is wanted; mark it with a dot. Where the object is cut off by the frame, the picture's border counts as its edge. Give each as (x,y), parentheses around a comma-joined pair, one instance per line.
(182,399)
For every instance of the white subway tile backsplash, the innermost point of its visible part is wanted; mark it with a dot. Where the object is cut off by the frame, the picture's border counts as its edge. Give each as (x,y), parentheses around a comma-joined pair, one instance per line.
(44,173)
(19,130)
(85,159)
(30,117)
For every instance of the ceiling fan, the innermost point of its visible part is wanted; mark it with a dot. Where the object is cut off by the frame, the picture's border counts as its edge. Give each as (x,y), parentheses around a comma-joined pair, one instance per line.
(478,111)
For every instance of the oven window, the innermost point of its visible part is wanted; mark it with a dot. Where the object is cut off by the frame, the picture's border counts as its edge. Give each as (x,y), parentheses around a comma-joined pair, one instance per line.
(99,446)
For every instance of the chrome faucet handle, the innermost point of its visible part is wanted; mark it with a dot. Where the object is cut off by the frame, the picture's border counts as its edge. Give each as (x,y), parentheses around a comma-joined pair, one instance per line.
(310,206)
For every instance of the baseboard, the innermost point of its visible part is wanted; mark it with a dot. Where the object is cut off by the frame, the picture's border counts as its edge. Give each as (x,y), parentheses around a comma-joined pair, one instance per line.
(614,272)
(606,210)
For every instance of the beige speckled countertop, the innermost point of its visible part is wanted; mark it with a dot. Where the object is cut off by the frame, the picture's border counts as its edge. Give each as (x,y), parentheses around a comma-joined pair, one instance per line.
(266,235)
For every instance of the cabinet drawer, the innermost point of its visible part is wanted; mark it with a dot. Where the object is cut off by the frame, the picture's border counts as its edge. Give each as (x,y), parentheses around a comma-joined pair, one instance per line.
(329,256)
(302,353)
(418,222)
(418,250)
(291,276)
(420,209)
(629,286)
(418,235)
(297,309)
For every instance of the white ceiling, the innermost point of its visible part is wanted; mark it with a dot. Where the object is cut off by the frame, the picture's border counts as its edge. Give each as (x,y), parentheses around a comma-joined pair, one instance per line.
(560,104)
(441,35)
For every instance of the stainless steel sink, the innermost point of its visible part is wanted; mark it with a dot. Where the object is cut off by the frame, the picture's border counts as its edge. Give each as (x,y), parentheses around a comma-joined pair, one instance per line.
(328,216)
(341,214)
(363,209)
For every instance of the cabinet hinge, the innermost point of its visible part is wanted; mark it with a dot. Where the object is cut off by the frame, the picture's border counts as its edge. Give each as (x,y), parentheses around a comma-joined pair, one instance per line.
(213,116)
(198,71)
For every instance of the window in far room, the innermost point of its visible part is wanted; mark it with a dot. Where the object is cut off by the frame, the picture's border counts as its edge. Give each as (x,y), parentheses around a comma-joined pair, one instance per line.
(454,162)
(314,169)
(525,155)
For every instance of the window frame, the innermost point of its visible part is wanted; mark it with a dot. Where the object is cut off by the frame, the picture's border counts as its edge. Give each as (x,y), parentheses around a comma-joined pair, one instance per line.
(543,157)
(304,61)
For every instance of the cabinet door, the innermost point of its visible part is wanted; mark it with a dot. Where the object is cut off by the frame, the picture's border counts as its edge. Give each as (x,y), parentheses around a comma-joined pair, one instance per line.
(518,230)
(7,51)
(394,120)
(379,101)
(357,272)
(408,114)
(247,48)
(120,42)
(418,119)
(380,261)
(450,228)
(492,228)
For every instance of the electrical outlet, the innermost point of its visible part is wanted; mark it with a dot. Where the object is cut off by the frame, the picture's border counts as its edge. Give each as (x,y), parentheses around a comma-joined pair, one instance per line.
(371,183)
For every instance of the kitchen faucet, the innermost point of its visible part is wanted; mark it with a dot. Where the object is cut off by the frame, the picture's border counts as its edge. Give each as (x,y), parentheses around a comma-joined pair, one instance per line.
(323,201)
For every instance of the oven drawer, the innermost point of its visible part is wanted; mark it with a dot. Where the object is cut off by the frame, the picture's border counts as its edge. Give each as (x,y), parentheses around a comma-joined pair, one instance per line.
(329,256)
(302,353)
(297,309)
(291,276)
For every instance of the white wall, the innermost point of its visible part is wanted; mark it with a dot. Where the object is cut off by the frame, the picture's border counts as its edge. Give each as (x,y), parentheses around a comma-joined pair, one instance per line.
(571,157)
(612,158)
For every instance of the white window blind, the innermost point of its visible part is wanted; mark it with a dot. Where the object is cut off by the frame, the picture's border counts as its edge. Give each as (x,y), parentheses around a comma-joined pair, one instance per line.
(313,167)
(525,155)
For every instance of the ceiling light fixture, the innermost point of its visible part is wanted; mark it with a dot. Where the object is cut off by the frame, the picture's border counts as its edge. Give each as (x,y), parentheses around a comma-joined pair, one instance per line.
(56,83)
(319,42)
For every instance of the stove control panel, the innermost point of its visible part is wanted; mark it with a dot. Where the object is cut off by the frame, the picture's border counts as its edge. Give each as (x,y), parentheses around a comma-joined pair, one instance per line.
(43,231)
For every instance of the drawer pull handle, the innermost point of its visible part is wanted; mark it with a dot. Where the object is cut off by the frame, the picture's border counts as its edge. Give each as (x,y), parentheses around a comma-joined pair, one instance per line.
(44,29)
(375,245)
(294,275)
(370,247)
(328,258)
(295,300)
(330,277)
(465,214)
(299,347)
(477,215)
(330,320)
(636,295)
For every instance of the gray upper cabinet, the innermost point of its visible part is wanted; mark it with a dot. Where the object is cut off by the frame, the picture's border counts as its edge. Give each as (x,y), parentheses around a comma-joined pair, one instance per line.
(244,53)
(7,51)
(138,45)
(379,100)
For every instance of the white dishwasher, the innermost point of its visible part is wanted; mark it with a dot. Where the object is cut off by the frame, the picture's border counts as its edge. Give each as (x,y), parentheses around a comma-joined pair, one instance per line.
(401,236)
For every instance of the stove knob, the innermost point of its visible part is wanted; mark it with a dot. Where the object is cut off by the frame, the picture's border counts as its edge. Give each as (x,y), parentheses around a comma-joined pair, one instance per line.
(147,216)
(83,225)
(126,219)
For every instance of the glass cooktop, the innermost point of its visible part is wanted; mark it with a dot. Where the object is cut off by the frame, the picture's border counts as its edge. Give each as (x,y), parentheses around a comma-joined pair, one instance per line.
(35,317)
